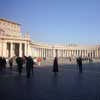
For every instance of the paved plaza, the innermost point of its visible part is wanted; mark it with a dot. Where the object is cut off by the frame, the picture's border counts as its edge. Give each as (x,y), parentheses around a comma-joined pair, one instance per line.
(68,84)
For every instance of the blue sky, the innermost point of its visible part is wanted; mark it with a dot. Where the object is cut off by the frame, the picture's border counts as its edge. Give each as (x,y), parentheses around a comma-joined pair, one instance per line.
(56,21)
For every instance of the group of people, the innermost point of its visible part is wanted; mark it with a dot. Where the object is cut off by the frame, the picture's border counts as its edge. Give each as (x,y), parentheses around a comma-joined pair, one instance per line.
(20,61)
(2,63)
(29,63)
(79,63)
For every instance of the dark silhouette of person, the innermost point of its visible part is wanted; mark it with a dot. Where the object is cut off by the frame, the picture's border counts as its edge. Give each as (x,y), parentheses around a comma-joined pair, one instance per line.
(55,65)
(79,62)
(11,63)
(19,62)
(1,64)
(4,63)
(29,66)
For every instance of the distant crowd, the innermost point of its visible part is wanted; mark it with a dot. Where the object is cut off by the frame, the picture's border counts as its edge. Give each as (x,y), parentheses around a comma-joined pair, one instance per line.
(20,61)
(29,64)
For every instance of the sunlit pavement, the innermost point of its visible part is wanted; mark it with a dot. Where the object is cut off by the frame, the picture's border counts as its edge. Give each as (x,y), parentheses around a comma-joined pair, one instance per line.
(67,84)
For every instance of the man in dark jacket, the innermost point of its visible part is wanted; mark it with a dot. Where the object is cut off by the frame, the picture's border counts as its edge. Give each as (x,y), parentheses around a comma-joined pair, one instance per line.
(4,63)
(55,65)
(19,62)
(79,62)
(11,63)
(29,66)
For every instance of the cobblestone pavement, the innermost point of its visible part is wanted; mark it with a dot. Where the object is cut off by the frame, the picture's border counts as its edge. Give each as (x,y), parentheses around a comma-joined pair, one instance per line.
(67,84)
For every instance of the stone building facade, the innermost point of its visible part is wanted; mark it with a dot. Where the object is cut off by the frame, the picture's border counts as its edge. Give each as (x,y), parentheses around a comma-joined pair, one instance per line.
(12,43)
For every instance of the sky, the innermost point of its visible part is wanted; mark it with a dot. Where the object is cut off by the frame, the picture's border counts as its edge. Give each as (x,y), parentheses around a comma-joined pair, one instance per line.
(56,21)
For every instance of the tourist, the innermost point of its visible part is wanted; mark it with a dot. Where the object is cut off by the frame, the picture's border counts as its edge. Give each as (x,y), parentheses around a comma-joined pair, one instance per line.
(55,65)
(29,66)
(19,62)
(79,62)
(11,63)
(4,63)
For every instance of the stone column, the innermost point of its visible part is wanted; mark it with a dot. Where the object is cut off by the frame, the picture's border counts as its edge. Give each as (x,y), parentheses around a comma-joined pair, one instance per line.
(51,53)
(4,49)
(47,52)
(54,53)
(69,53)
(39,52)
(78,52)
(43,52)
(66,53)
(11,49)
(92,54)
(84,53)
(75,53)
(20,49)
(25,49)
(97,53)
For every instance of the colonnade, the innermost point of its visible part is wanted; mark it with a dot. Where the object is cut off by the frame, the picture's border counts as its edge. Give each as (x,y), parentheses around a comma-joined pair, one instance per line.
(48,53)
(42,52)
(10,49)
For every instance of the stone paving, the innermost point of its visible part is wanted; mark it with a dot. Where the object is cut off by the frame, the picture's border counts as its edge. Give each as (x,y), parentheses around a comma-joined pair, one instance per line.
(68,84)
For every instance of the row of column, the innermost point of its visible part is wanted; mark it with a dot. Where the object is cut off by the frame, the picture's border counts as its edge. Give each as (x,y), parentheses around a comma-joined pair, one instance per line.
(11,51)
(43,52)
(22,50)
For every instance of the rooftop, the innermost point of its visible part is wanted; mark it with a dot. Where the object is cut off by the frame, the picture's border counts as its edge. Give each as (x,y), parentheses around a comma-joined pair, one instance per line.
(3,19)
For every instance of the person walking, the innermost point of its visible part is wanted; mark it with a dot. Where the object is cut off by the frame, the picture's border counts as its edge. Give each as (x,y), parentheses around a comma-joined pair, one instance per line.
(29,66)
(55,65)
(11,63)
(19,62)
(4,63)
(79,62)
